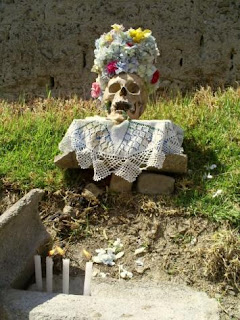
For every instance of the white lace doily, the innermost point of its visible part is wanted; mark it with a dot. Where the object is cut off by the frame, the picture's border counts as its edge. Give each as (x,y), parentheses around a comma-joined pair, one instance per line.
(125,149)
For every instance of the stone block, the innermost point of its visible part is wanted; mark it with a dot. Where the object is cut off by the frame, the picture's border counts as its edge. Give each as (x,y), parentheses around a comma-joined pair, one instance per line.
(175,163)
(117,300)
(155,183)
(22,235)
(66,160)
(118,184)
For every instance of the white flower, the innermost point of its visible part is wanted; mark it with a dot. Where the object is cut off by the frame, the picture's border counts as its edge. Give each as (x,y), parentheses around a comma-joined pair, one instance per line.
(209,176)
(217,193)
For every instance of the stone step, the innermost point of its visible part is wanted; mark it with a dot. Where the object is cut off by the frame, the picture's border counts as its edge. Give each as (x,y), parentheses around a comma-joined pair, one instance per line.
(115,300)
(174,163)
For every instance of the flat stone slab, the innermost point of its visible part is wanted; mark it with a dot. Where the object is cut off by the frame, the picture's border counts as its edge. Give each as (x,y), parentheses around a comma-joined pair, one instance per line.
(175,163)
(22,235)
(155,183)
(111,301)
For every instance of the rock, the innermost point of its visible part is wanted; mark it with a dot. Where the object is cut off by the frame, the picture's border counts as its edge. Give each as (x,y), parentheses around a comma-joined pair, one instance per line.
(91,192)
(22,235)
(66,160)
(91,187)
(154,183)
(118,184)
(175,163)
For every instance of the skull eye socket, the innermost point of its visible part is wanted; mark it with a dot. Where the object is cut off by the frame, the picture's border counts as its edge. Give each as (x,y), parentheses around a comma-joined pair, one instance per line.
(133,88)
(114,87)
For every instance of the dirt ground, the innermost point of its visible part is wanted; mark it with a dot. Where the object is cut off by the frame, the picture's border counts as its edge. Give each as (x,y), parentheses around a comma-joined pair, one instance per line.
(175,243)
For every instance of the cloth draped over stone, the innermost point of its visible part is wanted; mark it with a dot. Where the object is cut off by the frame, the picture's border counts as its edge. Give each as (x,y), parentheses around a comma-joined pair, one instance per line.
(124,149)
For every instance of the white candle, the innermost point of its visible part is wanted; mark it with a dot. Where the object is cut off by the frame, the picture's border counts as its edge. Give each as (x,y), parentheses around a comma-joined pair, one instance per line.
(38,271)
(65,279)
(87,281)
(49,273)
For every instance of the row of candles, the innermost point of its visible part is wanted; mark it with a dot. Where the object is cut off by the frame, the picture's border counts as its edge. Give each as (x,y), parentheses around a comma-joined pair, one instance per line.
(65,275)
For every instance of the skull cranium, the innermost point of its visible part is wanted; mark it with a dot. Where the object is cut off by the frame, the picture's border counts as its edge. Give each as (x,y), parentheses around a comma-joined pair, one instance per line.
(127,95)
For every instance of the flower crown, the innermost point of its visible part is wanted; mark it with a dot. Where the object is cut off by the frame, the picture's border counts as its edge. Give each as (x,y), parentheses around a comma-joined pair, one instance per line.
(131,51)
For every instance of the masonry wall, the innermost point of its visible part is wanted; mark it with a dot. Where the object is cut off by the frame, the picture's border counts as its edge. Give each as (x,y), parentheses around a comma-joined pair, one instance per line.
(50,43)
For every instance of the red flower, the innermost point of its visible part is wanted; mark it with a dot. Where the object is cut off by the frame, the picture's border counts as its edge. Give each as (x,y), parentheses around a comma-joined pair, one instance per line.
(155,77)
(112,67)
(129,44)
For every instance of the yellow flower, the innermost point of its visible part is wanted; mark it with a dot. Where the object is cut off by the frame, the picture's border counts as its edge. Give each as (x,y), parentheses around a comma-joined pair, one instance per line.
(51,252)
(55,251)
(138,34)
(108,37)
(60,251)
(117,27)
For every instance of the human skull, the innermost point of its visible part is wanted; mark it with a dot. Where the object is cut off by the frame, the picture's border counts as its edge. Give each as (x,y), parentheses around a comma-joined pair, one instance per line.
(126,93)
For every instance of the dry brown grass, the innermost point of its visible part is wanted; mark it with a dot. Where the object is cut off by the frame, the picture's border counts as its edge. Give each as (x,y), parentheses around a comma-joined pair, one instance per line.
(222,257)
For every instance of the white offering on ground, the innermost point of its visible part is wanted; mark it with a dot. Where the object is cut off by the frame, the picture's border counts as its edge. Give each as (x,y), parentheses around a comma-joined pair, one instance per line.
(65,279)
(49,273)
(87,281)
(38,272)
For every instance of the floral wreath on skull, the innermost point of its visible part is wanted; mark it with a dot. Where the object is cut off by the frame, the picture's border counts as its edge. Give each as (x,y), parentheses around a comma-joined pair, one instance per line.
(118,51)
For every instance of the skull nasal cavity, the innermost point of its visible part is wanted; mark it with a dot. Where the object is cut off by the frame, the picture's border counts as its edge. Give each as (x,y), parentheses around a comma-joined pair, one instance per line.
(123,91)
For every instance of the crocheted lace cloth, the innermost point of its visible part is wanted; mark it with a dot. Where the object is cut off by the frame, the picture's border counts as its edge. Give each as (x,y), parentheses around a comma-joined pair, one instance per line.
(124,149)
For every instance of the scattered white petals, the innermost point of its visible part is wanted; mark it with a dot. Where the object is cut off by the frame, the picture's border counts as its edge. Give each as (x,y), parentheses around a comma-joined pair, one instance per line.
(124,273)
(217,193)
(139,263)
(117,243)
(107,256)
(119,255)
(140,250)
(102,275)
(193,241)
(213,166)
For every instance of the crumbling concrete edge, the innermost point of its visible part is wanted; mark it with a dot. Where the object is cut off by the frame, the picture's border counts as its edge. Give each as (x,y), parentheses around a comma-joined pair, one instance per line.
(22,234)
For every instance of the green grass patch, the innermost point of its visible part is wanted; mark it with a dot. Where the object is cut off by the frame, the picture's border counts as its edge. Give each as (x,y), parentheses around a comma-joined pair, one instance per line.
(30,133)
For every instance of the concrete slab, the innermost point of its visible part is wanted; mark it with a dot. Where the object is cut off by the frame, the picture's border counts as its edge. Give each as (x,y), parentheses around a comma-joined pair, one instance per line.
(111,301)
(22,235)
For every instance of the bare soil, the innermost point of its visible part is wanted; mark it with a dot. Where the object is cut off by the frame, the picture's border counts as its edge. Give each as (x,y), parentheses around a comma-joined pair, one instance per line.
(175,242)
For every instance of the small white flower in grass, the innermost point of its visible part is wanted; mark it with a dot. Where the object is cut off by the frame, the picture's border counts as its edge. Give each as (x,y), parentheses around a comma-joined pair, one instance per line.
(211,167)
(217,193)
(209,176)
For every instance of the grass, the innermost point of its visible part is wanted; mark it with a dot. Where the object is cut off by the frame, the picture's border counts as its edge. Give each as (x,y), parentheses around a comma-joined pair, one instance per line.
(30,133)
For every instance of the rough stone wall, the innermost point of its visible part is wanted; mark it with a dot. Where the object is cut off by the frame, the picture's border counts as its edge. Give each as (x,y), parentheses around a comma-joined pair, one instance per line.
(50,42)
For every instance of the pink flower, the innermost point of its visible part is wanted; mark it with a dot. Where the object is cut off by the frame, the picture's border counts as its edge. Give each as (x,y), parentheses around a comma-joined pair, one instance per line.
(155,77)
(95,90)
(112,67)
